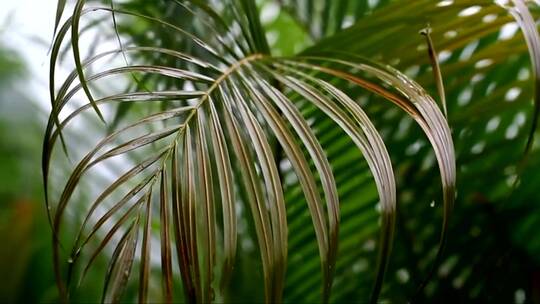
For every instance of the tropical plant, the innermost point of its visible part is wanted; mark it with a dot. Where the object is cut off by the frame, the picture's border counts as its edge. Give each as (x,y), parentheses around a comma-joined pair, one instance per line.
(214,137)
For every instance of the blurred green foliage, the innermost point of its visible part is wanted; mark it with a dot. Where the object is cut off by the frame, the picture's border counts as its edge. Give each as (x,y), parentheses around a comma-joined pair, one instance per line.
(25,250)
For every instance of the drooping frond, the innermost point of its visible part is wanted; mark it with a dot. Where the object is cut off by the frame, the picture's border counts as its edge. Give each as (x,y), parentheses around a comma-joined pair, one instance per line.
(195,146)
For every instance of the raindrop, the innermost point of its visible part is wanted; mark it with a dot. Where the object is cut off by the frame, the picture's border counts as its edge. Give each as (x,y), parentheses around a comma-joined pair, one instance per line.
(468,51)
(464,132)
(414,148)
(491,87)
(403,275)
(520,118)
(502,2)
(447,266)
(70,261)
(483,63)
(444,55)
(519,296)
(489,18)
(465,96)
(477,78)
(450,34)
(469,11)
(511,131)
(347,22)
(478,147)
(508,31)
(361,265)
(432,204)
(373,3)
(512,94)
(445,3)
(523,74)
(511,180)
(412,71)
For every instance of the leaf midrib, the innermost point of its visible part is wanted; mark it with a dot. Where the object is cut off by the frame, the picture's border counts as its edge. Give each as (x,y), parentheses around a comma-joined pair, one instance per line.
(230,70)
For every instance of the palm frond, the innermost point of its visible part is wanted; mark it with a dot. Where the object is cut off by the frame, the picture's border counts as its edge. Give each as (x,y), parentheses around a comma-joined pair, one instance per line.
(204,126)
(488,109)
(324,18)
